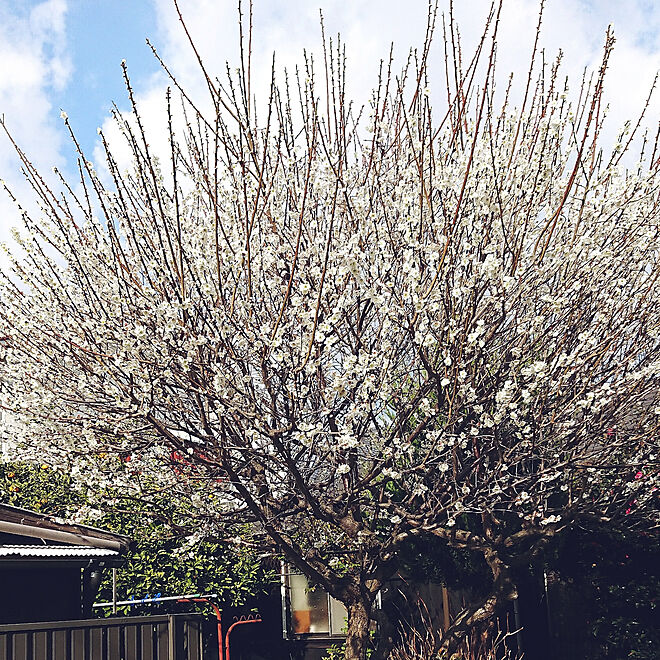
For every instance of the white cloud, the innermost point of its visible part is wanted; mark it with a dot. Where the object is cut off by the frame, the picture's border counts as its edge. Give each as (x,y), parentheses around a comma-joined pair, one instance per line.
(288,27)
(34,64)
(368,27)
(153,112)
(33,48)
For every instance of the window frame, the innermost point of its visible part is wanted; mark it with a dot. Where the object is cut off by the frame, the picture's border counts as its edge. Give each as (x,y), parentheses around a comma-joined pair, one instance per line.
(287,610)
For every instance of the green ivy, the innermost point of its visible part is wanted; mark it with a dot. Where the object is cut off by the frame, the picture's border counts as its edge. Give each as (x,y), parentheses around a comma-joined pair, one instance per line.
(613,574)
(161,560)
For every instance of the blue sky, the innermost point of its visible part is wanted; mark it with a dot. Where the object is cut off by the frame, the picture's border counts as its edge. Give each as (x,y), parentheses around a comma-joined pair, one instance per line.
(66,54)
(99,34)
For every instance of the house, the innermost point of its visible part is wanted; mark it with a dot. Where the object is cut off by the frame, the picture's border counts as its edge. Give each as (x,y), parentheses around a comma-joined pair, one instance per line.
(51,570)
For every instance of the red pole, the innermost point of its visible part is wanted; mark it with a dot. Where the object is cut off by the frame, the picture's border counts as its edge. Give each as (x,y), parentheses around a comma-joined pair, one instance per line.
(256,619)
(218,616)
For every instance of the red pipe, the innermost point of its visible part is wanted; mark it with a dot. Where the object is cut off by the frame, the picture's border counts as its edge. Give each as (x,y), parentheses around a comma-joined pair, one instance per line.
(218,616)
(256,619)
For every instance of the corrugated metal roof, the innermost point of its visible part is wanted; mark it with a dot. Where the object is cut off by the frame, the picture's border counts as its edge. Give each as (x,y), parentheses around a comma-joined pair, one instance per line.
(73,551)
(22,522)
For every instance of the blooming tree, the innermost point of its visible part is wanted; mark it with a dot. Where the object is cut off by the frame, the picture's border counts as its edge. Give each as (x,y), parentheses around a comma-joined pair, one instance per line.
(351,328)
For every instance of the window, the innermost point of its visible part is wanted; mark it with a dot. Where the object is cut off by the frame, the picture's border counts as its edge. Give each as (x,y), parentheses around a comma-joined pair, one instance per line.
(311,609)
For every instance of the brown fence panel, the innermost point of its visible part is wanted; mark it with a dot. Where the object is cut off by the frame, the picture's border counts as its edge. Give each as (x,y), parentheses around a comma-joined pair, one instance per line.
(40,645)
(162,641)
(96,643)
(20,650)
(147,642)
(79,649)
(113,634)
(60,646)
(131,642)
(193,641)
(168,637)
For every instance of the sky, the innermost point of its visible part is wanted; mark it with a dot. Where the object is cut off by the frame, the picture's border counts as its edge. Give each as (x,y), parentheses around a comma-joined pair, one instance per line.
(65,55)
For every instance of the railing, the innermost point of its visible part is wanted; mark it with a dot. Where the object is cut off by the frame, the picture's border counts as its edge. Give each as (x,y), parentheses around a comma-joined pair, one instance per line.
(168,637)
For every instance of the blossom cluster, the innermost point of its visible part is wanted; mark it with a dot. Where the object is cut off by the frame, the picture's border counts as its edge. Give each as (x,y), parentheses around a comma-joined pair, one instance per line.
(346,337)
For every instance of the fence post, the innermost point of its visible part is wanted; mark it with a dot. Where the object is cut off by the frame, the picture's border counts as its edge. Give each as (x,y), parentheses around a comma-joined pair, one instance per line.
(171,636)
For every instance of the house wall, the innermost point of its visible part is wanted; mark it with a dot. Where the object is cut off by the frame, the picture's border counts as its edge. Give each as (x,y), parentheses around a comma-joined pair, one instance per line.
(29,594)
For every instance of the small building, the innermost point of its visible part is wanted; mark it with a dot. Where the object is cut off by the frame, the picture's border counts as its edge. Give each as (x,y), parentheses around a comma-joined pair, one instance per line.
(313,621)
(51,570)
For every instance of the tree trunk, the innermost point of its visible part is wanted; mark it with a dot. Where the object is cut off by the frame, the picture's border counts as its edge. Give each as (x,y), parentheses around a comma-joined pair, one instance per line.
(357,635)
(504,591)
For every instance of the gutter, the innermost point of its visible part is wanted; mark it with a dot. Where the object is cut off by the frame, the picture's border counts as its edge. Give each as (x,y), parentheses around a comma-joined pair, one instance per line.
(55,535)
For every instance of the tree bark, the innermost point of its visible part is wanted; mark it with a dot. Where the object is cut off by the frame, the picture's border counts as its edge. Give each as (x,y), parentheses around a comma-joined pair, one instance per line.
(357,635)
(504,591)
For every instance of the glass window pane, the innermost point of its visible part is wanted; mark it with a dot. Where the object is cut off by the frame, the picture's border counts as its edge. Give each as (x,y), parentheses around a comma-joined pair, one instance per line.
(319,622)
(309,607)
(338,617)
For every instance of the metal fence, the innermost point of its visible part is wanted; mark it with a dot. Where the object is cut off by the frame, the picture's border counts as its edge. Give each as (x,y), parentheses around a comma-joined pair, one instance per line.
(169,637)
